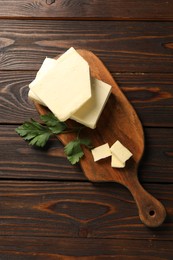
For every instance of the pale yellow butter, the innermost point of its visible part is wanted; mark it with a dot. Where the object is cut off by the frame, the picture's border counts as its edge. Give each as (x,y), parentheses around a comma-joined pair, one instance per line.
(47,64)
(65,87)
(120,151)
(115,162)
(101,152)
(90,112)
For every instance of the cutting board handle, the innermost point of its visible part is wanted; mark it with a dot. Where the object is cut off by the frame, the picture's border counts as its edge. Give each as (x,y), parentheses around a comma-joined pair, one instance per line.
(151,211)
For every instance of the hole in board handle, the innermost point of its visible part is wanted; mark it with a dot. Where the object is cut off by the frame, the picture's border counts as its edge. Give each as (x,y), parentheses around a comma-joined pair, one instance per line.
(152,213)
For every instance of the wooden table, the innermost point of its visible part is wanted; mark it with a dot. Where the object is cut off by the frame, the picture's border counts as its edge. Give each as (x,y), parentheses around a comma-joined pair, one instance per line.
(48,209)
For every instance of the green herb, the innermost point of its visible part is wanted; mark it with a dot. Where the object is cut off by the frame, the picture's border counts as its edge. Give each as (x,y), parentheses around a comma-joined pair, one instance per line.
(74,151)
(34,132)
(53,123)
(38,135)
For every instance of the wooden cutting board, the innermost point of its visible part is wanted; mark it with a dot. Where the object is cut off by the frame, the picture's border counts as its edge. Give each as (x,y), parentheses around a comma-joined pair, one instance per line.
(120,122)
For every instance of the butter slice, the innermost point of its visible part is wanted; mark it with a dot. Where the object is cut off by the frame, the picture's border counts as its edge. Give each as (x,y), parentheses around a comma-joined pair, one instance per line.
(120,151)
(115,162)
(89,113)
(47,64)
(101,152)
(65,87)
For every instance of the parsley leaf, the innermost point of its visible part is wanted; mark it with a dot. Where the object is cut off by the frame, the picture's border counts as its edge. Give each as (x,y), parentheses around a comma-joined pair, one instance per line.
(38,135)
(73,149)
(86,142)
(34,132)
(53,123)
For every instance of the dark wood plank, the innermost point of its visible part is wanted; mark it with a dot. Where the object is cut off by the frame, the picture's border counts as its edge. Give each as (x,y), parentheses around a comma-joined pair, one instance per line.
(150,94)
(19,160)
(76,209)
(15,105)
(156,164)
(138,10)
(19,248)
(123,46)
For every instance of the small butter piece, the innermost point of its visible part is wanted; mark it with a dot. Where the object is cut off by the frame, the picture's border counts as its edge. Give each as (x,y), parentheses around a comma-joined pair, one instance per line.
(120,151)
(90,112)
(101,152)
(115,162)
(65,87)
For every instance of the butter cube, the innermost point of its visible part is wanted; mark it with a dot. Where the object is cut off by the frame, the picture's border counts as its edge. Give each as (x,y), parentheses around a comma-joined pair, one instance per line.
(115,162)
(101,152)
(120,151)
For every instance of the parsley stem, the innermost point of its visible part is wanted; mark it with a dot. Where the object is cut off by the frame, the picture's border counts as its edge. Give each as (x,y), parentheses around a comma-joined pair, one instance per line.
(79,131)
(71,130)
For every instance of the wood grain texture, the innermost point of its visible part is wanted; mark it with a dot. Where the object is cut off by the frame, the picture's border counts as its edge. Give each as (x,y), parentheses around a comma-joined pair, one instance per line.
(76,209)
(20,161)
(56,220)
(14,103)
(150,94)
(88,9)
(122,46)
(45,248)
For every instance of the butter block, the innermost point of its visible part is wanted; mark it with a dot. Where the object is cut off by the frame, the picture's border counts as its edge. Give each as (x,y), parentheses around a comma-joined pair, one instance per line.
(65,87)
(34,97)
(115,162)
(101,152)
(90,112)
(120,151)
(47,64)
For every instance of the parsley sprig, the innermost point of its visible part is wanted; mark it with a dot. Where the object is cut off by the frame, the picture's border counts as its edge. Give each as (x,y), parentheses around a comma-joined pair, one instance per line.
(54,125)
(38,135)
(74,151)
(35,133)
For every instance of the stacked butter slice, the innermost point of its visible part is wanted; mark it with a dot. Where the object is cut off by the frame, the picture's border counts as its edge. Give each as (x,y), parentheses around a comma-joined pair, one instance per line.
(67,89)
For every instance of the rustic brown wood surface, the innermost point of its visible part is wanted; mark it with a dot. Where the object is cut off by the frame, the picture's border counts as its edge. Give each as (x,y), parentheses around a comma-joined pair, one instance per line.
(78,209)
(51,163)
(127,46)
(48,209)
(150,94)
(19,248)
(88,9)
